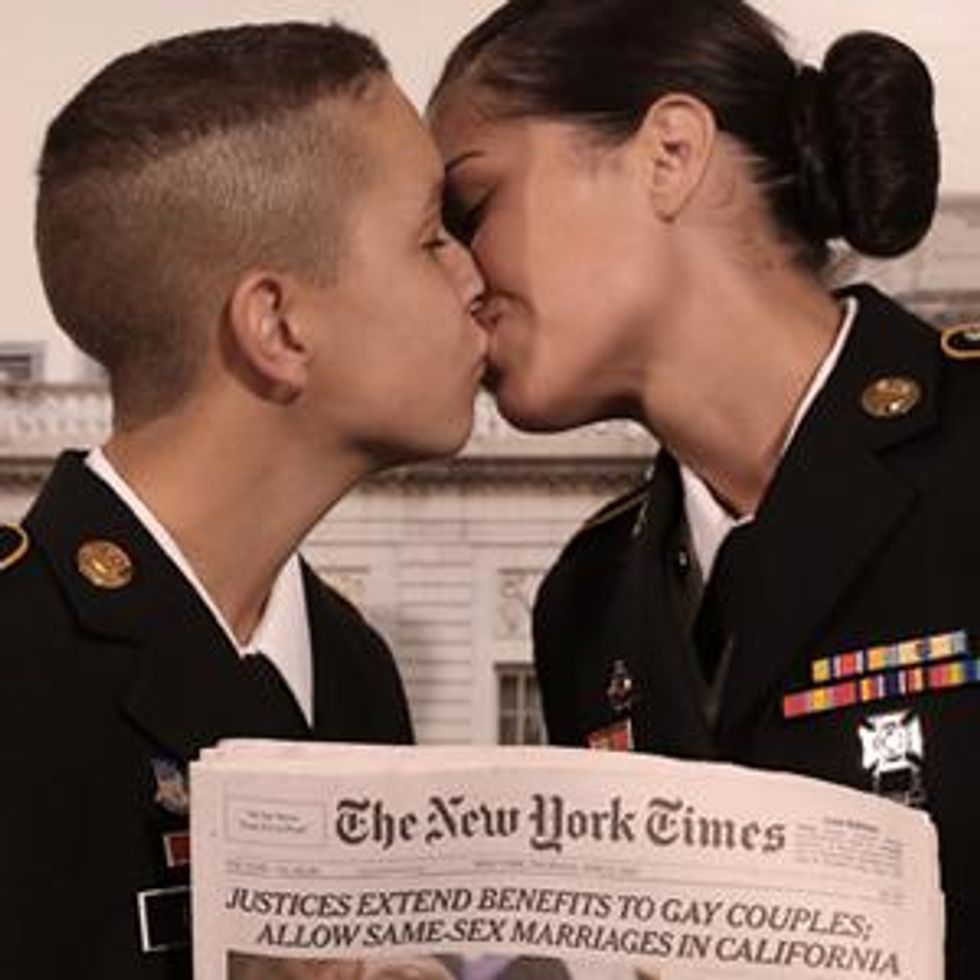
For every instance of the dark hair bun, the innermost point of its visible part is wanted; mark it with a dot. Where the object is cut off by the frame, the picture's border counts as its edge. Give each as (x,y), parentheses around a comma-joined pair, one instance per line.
(882,141)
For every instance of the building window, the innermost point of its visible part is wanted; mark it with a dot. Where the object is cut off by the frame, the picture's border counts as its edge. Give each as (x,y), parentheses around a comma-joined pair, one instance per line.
(519,718)
(21,363)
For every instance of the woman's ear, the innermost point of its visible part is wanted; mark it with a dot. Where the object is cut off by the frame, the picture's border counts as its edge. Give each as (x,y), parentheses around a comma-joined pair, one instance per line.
(267,335)
(676,138)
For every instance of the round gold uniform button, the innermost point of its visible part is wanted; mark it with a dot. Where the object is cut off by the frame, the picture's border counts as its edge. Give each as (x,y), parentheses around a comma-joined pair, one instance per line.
(105,564)
(891,398)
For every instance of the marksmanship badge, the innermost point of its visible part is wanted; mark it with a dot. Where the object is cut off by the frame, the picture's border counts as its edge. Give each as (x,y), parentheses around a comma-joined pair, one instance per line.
(893,752)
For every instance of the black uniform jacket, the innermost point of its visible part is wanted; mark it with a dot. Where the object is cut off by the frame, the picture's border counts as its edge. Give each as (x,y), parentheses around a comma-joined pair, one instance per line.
(868,535)
(105,695)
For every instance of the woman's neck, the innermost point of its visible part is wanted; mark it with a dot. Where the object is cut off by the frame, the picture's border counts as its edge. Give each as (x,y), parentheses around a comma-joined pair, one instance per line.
(745,357)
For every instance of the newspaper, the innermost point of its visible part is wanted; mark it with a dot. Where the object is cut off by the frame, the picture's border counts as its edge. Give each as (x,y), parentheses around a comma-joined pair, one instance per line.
(357,863)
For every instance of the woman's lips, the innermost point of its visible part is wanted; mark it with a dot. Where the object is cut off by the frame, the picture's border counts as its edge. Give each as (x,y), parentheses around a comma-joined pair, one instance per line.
(491,377)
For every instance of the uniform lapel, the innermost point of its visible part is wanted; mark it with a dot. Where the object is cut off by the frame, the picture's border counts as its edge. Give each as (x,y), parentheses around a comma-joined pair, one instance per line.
(669,716)
(336,707)
(191,687)
(832,506)
(181,680)
(74,508)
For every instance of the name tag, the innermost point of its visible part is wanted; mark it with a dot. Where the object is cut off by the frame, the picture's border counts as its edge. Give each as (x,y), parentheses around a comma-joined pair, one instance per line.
(165,918)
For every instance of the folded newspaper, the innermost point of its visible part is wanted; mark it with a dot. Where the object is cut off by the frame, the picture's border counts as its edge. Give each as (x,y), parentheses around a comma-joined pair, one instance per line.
(365,863)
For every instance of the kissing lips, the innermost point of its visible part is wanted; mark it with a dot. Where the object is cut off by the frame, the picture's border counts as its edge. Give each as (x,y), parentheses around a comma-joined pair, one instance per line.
(491,378)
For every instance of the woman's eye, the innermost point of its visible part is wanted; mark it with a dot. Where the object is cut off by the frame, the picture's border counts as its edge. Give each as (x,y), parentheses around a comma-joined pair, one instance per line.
(437,242)
(461,221)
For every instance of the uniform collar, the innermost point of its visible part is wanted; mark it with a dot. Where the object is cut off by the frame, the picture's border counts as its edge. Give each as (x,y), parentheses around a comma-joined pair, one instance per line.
(709,522)
(75,508)
(282,633)
(182,679)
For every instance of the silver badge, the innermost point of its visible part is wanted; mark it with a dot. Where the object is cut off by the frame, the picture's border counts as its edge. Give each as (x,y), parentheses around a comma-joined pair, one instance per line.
(893,752)
(172,793)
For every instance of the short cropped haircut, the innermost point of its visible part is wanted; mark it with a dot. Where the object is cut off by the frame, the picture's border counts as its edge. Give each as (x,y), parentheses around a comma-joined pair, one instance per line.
(178,168)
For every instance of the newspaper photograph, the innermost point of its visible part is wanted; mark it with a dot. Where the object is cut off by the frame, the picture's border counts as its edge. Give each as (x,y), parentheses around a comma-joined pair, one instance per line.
(350,862)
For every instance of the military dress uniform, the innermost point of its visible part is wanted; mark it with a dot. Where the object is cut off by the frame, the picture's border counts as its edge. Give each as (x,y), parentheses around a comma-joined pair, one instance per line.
(115,675)
(852,603)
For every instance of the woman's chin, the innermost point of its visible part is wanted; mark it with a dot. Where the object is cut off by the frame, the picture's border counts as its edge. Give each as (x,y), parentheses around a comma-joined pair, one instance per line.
(529,412)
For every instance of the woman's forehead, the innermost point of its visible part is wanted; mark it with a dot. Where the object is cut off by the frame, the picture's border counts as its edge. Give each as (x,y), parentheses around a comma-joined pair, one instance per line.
(467,120)
(460,112)
(479,145)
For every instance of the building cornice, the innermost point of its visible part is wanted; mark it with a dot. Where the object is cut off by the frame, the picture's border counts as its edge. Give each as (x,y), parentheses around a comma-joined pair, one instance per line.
(38,421)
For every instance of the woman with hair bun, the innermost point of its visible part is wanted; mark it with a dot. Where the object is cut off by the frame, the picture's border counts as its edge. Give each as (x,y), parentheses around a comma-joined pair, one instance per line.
(652,189)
